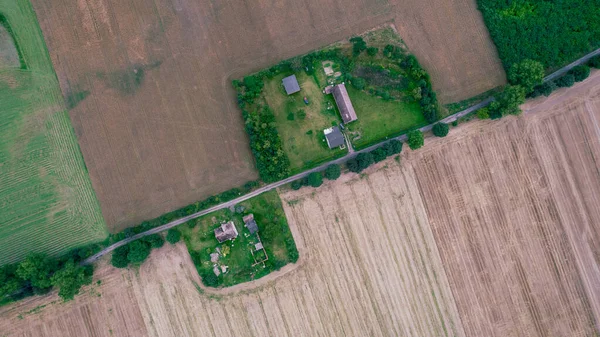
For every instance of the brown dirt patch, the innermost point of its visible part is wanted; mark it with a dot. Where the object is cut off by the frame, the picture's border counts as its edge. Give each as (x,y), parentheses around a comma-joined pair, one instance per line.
(174,135)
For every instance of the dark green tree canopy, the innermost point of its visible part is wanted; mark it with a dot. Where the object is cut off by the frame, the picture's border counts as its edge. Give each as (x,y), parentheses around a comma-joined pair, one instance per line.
(139,251)
(69,280)
(155,240)
(173,236)
(440,129)
(580,73)
(415,139)
(119,257)
(315,179)
(333,171)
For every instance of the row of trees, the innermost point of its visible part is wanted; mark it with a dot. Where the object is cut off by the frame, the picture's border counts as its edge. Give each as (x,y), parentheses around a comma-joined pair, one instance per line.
(38,274)
(136,252)
(551,32)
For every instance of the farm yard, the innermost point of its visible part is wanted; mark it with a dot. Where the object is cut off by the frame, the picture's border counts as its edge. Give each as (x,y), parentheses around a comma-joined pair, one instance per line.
(490,231)
(148,82)
(46,198)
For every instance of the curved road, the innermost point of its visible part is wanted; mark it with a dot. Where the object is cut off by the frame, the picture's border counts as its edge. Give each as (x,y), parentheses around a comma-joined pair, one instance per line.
(341,160)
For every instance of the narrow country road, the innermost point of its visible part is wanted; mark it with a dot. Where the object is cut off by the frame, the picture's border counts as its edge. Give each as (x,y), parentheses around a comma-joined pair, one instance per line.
(341,160)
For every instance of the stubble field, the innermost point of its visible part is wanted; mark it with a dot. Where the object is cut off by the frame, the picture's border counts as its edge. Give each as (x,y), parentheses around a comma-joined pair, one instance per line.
(149,81)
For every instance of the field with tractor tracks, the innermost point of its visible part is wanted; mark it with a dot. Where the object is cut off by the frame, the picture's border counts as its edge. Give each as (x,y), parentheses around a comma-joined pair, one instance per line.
(149,82)
(47,204)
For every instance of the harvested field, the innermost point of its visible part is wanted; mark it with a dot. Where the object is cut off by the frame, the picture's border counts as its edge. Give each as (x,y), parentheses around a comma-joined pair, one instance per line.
(160,127)
(368,267)
(47,204)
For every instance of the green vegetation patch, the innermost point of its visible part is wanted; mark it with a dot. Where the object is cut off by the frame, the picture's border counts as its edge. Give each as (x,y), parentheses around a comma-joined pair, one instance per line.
(301,125)
(552,32)
(46,199)
(238,261)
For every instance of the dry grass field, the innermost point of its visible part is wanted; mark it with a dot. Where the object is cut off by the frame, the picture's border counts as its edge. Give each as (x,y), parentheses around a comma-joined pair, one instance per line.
(156,115)
(492,231)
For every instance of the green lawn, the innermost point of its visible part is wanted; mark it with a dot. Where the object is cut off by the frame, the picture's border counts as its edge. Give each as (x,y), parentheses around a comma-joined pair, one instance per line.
(46,198)
(274,232)
(379,119)
(303,139)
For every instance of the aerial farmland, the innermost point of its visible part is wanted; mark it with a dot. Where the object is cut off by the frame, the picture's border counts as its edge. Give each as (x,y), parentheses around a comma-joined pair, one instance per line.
(169,66)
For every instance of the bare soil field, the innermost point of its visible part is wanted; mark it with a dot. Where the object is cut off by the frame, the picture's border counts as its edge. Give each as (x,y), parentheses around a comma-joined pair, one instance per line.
(149,81)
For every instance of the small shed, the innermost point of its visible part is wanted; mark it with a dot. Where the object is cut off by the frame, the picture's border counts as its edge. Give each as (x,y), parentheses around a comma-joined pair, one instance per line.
(334,137)
(226,231)
(291,85)
(340,94)
(250,223)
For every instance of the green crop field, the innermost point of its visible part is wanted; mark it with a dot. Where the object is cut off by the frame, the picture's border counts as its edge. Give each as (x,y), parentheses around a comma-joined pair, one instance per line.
(46,199)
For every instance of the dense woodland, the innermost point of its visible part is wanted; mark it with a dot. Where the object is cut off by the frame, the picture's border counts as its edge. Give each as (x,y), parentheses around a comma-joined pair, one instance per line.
(551,32)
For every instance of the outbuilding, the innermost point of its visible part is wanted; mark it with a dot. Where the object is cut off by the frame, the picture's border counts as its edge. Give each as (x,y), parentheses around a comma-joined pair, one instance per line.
(250,223)
(291,85)
(334,137)
(340,94)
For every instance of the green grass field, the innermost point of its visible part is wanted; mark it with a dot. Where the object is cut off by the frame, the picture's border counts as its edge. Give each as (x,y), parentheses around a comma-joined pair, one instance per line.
(303,139)
(274,232)
(46,198)
(379,119)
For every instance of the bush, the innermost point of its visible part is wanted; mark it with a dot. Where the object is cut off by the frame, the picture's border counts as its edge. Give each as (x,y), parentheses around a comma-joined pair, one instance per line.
(139,251)
(290,116)
(119,257)
(440,129)
(565,81)
(210,279)
(315,179)
(173,236)
(415,139)
(301,114)
(483,113)
(333,171)
(544,89)
(580,73)
(364,160)
(297,184)
(372,51)
(594,62)
(352,165)
(358,45)
(527,73)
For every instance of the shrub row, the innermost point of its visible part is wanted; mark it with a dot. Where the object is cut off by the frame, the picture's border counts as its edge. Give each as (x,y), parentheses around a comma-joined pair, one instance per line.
(577,74)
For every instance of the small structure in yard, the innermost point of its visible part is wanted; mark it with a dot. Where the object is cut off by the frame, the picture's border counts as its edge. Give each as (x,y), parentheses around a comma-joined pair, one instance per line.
(334,137)
(250,223)
(305,100)
(291,85)
(226,231)
(340,94)
(258,246)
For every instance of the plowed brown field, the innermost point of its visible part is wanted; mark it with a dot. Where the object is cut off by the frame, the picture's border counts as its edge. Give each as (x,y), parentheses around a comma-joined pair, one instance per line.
(173,135)
(492,231)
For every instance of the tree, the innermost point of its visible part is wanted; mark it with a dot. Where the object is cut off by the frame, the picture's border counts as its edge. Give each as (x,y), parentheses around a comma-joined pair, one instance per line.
(440,129)
(315,179)
(580,73)
(9,281)
(545,89)
(352,165)
(510,99)
(595,62)
(290,116)
(155,240)
(37,269)
(69,280)
(379,154)
(358,45)
(483,113)
(527,73)
(297,184)
(365,160)
(392,147)
(565,81)
(358,83)
(173,236)
(119,257)
(333,171)
(415,139)
(139,251)
(372,51)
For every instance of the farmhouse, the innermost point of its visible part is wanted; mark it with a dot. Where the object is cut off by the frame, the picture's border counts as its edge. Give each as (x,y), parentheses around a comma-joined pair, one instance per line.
(340,94)
(226,231)
(334,137)
(291,85)
(250,223)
